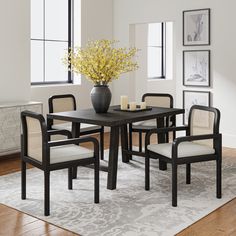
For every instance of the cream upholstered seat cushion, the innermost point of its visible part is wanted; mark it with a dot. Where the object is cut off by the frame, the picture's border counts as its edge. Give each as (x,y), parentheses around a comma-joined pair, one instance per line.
(68,126)
(185,149)
(68,153)
(147,123)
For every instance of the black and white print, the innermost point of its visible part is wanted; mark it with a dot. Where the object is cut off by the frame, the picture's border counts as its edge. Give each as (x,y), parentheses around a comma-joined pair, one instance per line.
(196,24)
(196,68)
(191,98)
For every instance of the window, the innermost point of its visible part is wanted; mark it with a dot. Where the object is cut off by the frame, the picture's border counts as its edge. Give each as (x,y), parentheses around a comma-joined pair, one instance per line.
(160,50)
(52,34)
(156,50)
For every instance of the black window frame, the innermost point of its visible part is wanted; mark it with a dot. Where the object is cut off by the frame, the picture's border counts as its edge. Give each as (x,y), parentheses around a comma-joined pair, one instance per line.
(163,53)
(70,44)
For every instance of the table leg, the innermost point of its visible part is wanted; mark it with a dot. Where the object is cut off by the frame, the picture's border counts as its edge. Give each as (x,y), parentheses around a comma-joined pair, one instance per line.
(75,134)
(113,158)
(75,130)
(124,143)
(130,140)
(161,139)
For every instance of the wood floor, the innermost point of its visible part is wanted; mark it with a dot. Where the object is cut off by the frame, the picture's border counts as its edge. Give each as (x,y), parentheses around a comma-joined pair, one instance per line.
(221,222)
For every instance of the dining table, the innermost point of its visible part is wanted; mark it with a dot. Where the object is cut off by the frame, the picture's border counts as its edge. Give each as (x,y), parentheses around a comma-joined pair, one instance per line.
(117,120)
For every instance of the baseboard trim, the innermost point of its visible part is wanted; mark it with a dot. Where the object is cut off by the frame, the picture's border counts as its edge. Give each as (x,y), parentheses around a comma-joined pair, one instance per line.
(229,140)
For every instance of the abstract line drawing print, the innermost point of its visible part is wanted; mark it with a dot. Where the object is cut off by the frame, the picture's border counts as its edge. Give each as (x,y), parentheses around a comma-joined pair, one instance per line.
(196,68)
(196,27)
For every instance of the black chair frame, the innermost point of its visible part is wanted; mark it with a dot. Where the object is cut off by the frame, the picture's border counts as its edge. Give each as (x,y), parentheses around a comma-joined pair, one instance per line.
(175,160)
(145,130)
(45,164)
(76,133)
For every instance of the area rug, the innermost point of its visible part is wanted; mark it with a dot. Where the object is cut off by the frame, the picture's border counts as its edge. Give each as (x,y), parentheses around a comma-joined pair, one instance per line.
(129,210)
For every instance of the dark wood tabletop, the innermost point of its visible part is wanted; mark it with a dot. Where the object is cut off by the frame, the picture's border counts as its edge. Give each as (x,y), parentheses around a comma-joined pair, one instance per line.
(112,117)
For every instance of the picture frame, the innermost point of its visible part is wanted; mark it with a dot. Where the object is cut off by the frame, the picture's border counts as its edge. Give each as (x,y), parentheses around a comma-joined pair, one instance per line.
(196,27)
(196,68)
(191,98)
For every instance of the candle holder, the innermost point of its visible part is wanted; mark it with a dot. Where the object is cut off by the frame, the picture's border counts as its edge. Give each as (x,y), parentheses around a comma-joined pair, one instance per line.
(124,102)
(136,108)
(132,106)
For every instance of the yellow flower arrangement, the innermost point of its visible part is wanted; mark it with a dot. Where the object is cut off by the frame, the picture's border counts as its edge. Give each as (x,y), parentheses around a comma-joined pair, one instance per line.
(100,62)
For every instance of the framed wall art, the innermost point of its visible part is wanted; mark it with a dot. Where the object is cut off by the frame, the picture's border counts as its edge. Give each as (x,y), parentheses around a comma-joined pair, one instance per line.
(196,27)
(191,98)
(196,68)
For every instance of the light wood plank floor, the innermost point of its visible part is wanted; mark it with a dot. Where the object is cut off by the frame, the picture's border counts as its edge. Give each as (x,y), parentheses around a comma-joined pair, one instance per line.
(221,222)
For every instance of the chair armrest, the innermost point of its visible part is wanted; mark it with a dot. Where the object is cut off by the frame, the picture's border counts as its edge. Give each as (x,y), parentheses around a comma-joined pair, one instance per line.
(195,138)
(77,141)
(59,132)
(163,130)
(179,140)
(169,129)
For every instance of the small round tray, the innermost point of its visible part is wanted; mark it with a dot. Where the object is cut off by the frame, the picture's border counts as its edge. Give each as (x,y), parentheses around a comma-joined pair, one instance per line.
(138,109)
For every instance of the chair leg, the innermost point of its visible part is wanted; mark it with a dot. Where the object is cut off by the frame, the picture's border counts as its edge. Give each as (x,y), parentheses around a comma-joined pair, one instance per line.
(46,193)
(147,173)
(188,173)
(74,172)
(23,180)
(102,143)
(174,185)
(130,139)
(167,137)
(96,180)
(174,124)
(218,178)
(140,141)
(70,179)
(167,134)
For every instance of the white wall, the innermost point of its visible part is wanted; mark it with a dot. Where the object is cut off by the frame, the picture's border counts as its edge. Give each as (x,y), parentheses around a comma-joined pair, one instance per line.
(140,75)
(223,50)
(14,50)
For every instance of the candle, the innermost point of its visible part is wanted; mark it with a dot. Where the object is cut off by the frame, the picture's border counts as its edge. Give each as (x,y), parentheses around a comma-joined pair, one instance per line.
(132,106)
(124,102)
(143,105)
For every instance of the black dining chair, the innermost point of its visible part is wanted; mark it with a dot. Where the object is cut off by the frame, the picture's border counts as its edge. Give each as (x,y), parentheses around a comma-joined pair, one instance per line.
(156,100)
(67,102)
(48,156)
(202,142)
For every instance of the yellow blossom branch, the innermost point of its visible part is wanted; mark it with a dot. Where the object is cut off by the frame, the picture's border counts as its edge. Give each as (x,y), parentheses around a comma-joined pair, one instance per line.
(100,62)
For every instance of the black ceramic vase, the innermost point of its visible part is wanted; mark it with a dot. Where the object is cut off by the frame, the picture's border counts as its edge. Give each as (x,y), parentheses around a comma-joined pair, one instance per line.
(101,98)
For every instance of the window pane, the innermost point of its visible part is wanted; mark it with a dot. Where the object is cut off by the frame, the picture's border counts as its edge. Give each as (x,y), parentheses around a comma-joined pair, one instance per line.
(154,62)
(55,70)
(37,19)
(154,34)
(56,19)
(36,61)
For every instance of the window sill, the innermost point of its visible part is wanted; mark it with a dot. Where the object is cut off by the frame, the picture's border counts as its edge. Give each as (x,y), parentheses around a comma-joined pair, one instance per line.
(54,85)
(158,79)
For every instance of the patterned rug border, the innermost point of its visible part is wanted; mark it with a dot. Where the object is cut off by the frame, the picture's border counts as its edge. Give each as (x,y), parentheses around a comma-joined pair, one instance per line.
(44,220)
(206,215)
(204,212)
(54,224)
